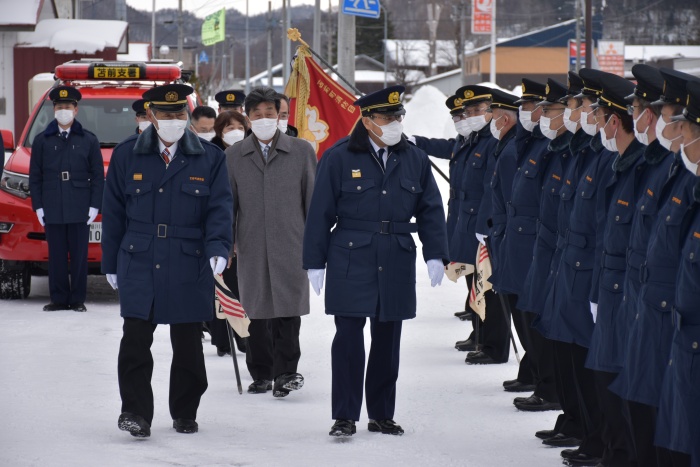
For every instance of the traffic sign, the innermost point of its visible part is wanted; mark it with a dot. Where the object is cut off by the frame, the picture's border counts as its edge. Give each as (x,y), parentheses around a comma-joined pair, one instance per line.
(203,57)
(365,8)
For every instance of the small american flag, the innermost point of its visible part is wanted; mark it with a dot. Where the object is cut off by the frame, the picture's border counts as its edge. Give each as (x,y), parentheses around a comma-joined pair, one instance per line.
(229,308)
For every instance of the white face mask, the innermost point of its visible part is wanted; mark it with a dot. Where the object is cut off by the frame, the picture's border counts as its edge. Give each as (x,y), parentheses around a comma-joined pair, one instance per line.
(545,123)
(568,123)
(477,122)
(589,128)
(463,128)
(144,125)
(282,125)
(608,143)
(233,137)
(64,116)
(207,136)
(495,131)
(691,166)
(641,137)
(264,128)
(525,117)
(391,133)
(172,130)
(665,142)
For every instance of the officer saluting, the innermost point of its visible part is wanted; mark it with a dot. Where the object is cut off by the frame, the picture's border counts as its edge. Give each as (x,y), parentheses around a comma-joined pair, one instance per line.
(230,100)
(369,186)
(66,178)
(167,218)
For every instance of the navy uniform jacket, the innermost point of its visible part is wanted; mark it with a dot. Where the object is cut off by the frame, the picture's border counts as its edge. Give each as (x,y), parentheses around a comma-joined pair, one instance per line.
(370,256)
(566,316)
(160,227)
(534,290)
(621,194)
(501,191)
(522,211)
(678,423)
(649,342)
(66,178)
(457,151)
(471,193)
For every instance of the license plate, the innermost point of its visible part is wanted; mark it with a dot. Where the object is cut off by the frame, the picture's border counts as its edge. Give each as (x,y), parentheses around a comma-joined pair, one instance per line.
(95,232)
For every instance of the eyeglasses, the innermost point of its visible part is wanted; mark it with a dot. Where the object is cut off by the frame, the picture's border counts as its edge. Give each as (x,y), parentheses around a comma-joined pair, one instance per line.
(456,118)
(549,110)
(387,118)
(474,112)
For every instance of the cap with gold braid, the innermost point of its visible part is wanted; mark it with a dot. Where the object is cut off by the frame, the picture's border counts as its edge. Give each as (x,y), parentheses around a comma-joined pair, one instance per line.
(140,107)
(230,98)
(574,85)
(591,83)
(554,92)
(168,98)
(65,94)
(692,104)
(615,91)
(650,83)
(531,91)
(674,88)
(473,94)
(503,100)
(385,101)
(454,103)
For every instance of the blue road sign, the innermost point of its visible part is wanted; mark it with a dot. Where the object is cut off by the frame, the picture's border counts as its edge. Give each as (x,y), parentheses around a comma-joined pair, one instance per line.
(203,57)
(366,8)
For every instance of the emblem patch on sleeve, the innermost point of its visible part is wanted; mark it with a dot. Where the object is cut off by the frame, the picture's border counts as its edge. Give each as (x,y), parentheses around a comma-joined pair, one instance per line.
(356,173)
(138,176)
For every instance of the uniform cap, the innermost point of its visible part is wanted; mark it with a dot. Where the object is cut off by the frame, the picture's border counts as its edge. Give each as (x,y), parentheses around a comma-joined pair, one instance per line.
(140,106)
(574,85)
(674,88)
(691,112)
(385,101)
(554,92)
(591,83)
(531,91)
(65,94)
(615,91)
(168,98)
(650,83)
(454,103)
(473,94)
(230,98)
(503,100)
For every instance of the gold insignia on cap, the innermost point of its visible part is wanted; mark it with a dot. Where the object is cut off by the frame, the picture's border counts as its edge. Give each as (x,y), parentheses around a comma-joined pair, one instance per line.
(468,93)
(687,100)
(546,89)
(171,96)
(523,86)
(230,97)
(62,93)
(394,98)
(458,101)
(146,105)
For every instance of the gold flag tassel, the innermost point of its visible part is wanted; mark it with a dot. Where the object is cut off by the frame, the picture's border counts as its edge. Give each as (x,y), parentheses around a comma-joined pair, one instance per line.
(299,86)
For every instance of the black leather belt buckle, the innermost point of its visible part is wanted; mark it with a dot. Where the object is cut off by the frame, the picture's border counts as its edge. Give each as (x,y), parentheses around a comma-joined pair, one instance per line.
(65,176)
(162,231)
(384,227)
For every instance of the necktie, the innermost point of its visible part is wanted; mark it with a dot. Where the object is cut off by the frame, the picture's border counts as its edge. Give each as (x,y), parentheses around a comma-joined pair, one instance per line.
(266,151)
(380,155)
(64,135)
(166,156)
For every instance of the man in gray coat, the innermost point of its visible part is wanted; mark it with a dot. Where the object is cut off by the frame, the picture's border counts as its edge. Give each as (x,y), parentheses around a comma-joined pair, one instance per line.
(272,179)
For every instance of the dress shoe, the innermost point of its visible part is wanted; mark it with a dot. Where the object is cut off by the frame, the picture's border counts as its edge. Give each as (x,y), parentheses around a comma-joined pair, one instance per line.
(78,307)
(467,316)
(560,440)
(546,434)
(519,387)
(287,382)
(185,425)
(581,459)
(343,428)
(260,386)
(537,404)
(222,352)
(465,345)
(386,426)
(56,307)
(136,425)
(569,453)
(479,358)
(462,313)
(509,382)
(520,400)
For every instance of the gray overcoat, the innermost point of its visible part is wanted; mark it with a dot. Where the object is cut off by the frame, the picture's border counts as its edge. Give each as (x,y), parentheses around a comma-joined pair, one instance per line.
(271,202)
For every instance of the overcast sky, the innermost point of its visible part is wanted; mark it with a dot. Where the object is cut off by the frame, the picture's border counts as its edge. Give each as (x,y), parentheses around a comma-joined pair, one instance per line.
(203,8)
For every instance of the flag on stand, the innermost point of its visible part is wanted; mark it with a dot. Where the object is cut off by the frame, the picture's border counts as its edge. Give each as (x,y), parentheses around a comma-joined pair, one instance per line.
(480,285)
(229,308)
(214,28)
(320,108)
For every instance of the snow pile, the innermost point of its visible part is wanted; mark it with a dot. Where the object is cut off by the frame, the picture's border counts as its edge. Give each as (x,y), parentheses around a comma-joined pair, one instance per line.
(427,115)
(25,12)
(138,52)
(84,36)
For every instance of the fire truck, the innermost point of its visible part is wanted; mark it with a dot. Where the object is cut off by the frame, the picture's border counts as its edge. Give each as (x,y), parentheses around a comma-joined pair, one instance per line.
(108,90)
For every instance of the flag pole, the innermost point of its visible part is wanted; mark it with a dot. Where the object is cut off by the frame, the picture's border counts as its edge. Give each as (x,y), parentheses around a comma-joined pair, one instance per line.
(294,35)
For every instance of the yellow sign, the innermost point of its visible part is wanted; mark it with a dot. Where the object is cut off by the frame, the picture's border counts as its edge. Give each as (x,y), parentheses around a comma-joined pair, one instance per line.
(116,72)
(214,28)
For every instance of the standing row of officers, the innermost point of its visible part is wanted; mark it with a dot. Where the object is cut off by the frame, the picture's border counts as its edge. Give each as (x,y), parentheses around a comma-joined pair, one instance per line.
(586,196)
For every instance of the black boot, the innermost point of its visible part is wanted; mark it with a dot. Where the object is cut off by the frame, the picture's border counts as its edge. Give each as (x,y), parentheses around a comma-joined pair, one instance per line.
(136,425)
(343,428)
(387,427)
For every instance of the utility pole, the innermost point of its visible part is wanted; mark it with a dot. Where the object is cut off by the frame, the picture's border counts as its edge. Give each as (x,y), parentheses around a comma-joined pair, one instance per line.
(285,58)
(386,38)
(589,33)
(346,47)
(269,43)
(317,27)
(433,21)
(247,50)
(492,68)
(329,34)
(179,31)
(153,30)
(578,10)
(462,40)
(288,43)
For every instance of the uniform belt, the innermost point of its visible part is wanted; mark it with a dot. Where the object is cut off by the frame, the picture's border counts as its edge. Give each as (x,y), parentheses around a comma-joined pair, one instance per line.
(382,227)
(166,231)
(635,259)
(615,262)
(523,211)
(658,274)
(67,176)
(547,236)
(576,239)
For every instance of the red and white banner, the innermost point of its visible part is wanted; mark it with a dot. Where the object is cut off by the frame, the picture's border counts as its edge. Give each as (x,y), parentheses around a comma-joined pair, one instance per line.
(481,284)
(482,16)
(611,57)
(229,308)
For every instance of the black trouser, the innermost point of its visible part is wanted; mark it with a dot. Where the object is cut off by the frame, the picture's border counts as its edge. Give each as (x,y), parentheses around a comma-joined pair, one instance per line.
(273,347)
(64,241)
(616,438)
(348,368)
(188,375)
(570,422)
(542,362)
(468,280)
(496,337)
(672,458)
(588,402)
(641,423)
(526,370)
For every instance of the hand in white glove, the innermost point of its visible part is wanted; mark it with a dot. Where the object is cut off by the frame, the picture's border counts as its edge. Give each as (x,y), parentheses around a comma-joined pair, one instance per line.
(594,311)
(218,264)
(436,271)
(316,279)
(92,213)
(112,279)
(481,238)
(40,216)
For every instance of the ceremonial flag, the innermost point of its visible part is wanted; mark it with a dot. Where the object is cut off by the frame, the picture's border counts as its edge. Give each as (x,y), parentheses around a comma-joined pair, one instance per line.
(229,308)
(214,28)
(481,285)
(320,108)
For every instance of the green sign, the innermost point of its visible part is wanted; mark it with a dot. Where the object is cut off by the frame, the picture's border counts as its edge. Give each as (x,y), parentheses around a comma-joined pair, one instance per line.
(214,28)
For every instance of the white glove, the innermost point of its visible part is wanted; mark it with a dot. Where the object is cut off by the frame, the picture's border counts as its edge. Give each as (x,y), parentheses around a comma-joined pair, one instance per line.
(316,279)
(92,213)
(594,311)
(40,216)
(411,139)
(436,271)
(481,238)
(218,264)
(112,279)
